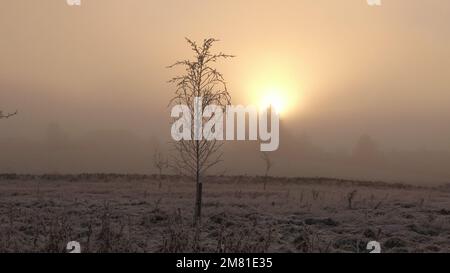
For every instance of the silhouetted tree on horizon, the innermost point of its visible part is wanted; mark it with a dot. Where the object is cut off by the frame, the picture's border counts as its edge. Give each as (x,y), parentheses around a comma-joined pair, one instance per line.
(367,151)
(268,165)
(160,162)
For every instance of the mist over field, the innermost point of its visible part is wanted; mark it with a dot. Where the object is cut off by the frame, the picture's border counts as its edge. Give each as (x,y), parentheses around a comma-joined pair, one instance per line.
(370,84)
(88,161)
(121,151)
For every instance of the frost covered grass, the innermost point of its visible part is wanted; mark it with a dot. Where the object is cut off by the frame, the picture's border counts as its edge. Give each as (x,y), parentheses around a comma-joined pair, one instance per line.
(120,213)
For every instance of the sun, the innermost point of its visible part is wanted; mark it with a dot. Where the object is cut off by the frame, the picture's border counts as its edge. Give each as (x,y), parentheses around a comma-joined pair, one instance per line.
(273,98)
(275,84)
(282,99)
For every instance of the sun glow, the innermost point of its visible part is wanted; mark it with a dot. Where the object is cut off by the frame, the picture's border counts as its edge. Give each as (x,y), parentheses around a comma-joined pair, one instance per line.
(273,98)
(283,99)
(275,82)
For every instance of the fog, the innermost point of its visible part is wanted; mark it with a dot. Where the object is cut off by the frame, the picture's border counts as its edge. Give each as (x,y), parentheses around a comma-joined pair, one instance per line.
(90,83)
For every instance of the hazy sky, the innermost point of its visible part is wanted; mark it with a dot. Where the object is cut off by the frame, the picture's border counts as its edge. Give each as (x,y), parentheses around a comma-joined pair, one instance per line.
(348,68)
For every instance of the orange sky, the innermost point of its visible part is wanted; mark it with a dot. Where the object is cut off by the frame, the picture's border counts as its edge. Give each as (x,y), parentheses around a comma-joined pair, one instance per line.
(354,69)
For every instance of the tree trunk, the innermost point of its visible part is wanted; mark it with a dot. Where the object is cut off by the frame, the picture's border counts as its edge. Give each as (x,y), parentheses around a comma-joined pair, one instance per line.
(198,205)
(198,194)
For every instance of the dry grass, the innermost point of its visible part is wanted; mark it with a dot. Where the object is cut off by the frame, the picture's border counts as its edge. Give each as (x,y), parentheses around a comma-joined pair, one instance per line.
(118,213)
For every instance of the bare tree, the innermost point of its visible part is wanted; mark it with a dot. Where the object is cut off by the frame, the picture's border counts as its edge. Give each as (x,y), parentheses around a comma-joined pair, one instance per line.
(8,115)
(160,162)
(268,165)
(350,196)
(200,80)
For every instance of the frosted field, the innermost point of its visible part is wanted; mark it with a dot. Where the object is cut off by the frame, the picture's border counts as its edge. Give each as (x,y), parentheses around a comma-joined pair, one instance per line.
(114,213)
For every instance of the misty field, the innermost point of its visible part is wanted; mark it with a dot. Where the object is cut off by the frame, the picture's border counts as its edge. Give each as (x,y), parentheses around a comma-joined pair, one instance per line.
(133,213)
